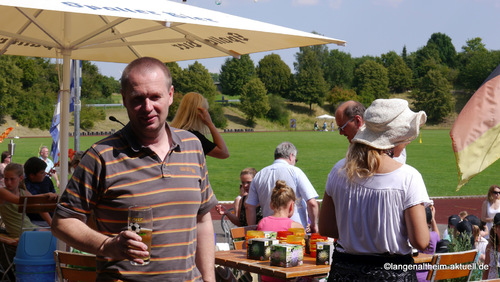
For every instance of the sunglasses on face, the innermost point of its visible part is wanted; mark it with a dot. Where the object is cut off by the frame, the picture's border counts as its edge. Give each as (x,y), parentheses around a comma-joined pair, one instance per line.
(345,124)
(496,192)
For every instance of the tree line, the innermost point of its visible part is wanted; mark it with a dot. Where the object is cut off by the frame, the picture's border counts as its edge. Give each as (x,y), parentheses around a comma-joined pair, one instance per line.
(436,78)
(29,89)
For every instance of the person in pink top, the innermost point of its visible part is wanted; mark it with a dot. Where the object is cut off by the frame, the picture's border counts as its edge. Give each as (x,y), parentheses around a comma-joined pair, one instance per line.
(283,204)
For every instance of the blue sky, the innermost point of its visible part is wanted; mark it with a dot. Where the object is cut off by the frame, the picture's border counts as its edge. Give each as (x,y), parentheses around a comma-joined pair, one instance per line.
(370,27)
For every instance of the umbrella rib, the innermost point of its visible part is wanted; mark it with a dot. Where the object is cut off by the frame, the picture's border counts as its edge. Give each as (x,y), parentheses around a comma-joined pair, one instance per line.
(41,27)
(132,49)
(100,30)
(21,30)
(123,35)
(192,37)
(28,39)
(133,43)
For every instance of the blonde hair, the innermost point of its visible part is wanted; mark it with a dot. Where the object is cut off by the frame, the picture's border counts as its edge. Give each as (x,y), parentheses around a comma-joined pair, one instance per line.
(18,170)
(282,195)
(361,161)
(249,170)
(492,198)
(463,214)
(187,117)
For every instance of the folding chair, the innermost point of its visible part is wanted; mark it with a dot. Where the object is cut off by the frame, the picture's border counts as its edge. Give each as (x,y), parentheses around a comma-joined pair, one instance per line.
(75,266)
(445,265)
(226,225)
(238,236)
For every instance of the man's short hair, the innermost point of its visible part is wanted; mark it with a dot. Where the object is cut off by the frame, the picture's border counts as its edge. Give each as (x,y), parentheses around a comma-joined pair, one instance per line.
(357,109)
(144,64)
(43,147)
(284,150)
(34,165)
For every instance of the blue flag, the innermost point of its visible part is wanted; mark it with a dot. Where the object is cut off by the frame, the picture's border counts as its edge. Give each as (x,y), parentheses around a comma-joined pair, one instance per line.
(56,119)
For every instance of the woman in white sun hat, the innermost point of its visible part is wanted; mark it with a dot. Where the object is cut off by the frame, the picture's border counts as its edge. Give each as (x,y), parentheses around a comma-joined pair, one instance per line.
(373,204)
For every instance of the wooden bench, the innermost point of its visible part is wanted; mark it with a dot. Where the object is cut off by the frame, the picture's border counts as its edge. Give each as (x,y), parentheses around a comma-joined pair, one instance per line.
(75,266)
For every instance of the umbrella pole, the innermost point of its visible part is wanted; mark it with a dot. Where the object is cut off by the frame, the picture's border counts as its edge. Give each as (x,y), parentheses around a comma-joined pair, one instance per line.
(64,124)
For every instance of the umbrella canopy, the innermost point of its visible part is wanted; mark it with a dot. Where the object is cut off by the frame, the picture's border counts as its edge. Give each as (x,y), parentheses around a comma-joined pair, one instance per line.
(121,31)
(325,117)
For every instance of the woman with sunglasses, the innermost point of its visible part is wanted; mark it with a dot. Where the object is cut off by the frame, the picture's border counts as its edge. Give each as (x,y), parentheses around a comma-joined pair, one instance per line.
(491,206)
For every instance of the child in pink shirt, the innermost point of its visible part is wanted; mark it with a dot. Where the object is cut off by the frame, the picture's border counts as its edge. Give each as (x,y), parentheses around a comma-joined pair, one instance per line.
(283,204)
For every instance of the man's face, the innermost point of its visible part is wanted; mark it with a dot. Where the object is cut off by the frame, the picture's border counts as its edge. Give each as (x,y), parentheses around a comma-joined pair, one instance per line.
(347,126)
(44,153)
(148,101)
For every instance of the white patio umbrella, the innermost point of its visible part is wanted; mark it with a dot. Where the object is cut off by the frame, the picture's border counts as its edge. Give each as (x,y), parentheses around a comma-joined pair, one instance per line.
(121,31)
(325,117)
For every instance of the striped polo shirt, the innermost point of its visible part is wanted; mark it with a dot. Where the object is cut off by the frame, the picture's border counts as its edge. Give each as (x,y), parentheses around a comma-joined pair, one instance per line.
(118,172)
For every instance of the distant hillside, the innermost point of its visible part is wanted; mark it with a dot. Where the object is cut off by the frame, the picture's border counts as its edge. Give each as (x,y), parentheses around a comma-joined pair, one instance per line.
(235,120)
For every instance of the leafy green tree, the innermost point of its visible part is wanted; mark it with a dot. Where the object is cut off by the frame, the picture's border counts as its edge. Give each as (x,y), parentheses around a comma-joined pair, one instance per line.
(235,73)
(275,74)
(338,95)
(35,109)
(471,47)
(309,86)
(217,114)
(89,115)
(434,96)
(10,85)
(446,49)
(254,101)
(196,78)
(339,69)
(175,72)
(277,111)
(479,66)
(372,81)
(400,75)
(96,87)
(425,56)
(359,61)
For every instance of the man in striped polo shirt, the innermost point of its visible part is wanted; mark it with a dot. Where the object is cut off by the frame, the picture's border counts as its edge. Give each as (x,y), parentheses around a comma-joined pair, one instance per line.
(147,163)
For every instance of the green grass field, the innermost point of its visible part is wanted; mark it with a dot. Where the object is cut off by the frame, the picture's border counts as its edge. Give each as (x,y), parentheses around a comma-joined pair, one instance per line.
(318,152)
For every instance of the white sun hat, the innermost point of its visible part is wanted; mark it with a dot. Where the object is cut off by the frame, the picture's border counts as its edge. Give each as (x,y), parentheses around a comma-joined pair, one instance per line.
(388,123)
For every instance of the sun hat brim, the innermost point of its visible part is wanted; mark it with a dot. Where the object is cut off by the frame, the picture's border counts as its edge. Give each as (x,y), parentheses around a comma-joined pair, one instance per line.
(388,123)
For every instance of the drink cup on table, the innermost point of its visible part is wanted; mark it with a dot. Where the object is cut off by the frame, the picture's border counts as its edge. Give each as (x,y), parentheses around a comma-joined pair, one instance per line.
(140,221)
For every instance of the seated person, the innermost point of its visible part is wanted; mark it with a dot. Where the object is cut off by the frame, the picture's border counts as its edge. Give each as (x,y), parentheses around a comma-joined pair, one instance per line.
(239,216)
(465,233)
(453,221)
(9,198)
(430,213)
(36,183)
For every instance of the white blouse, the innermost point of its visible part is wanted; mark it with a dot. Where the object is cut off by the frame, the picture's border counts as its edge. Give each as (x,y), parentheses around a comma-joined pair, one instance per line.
(370,211)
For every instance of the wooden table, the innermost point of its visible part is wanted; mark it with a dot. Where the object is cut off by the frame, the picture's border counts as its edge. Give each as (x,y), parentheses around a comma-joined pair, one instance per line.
(238,259)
